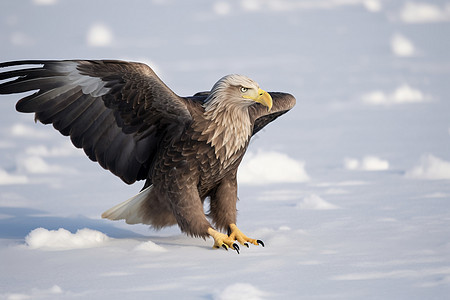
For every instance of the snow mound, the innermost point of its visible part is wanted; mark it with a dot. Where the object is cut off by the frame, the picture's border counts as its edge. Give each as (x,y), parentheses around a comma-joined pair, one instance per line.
(372,5)
(368,163)
(45,2)
(25,131)
(62,239)
(437,195)
(404,94)
(149,246)
(99,35)
(37,165)
(222,8)
(401,46)
(283,6)
(66,149)
(430,167)
(314,202)
(36,294)
(424,13)
(6,178)
(240,291)
(271,167)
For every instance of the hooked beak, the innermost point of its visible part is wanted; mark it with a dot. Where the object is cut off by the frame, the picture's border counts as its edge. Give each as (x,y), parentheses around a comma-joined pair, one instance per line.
(264,98)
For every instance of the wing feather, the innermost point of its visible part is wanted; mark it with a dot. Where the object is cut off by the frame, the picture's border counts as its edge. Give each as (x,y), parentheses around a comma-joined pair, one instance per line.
(47,115)
(64,119)
(282,103)
(116,111)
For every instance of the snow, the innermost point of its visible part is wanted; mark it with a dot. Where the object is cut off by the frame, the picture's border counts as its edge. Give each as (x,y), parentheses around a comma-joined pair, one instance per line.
(372,5)
(271,167)
(240,291)
(21,39)
(36,294)
(430,167)
(280,6)
(27,131)
(404,94)
(315,202)
(222,8)
(6,178)
(62,239)
(99,35)
(402,46)
(64,149)
(349,191)
(37,165)
(45,2)
(368,163)
(421,12)
(150,247)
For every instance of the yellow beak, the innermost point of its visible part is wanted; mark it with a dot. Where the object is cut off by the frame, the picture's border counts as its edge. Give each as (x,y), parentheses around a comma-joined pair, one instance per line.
(264,98)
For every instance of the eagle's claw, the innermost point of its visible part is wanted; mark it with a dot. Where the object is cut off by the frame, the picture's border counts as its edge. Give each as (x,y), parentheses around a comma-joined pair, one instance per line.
(223,241)
(226,247)
(227,241)
(237,235)
(236,247)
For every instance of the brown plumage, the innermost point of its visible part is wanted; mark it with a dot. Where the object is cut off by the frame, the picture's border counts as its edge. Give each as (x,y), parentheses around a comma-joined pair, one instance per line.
(131,123)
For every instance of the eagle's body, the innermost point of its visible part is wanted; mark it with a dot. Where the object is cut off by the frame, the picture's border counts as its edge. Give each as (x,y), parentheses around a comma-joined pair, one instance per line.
(125,118)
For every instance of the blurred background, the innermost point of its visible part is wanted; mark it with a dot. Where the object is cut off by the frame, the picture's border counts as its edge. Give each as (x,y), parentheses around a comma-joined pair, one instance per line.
(356,176)
(369,75)
(371,78)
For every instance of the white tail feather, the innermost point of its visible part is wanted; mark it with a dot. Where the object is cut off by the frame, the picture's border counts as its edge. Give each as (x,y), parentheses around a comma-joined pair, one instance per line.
(129,210)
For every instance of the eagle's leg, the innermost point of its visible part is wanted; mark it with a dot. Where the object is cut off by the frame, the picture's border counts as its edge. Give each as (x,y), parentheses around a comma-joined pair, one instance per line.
(236,234)
(223,212)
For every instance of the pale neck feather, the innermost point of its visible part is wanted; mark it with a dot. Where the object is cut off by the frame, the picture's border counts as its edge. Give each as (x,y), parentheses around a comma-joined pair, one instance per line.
(229,124)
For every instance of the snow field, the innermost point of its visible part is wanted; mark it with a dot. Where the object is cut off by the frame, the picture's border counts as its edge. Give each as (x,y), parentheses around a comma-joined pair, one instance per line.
(349,191)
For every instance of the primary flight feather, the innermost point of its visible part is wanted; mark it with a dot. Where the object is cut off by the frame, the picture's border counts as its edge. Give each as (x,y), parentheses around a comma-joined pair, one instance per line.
(185,148)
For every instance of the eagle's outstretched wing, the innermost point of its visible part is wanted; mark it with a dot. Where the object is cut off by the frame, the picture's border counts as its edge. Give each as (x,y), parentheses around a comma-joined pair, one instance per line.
(116,111)
(282,103)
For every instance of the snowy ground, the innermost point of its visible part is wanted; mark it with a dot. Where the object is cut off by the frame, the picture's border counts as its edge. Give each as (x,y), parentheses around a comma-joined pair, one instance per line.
(354,194)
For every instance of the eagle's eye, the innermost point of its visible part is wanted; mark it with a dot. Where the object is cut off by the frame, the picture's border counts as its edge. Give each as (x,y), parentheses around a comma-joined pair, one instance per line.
(243,89)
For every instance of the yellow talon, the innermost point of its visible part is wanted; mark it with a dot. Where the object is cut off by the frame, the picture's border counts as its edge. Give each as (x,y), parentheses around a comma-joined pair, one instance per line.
(224,241)
(237,235)
(221,240)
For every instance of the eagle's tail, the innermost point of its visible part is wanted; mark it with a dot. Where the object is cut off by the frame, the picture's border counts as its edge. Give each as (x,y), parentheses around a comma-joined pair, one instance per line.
(130,210)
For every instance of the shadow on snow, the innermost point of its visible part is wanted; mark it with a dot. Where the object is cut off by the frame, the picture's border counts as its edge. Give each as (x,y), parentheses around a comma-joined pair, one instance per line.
(17,222)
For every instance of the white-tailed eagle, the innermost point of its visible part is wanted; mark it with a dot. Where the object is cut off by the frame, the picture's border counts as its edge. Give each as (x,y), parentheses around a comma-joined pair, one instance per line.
(185,148)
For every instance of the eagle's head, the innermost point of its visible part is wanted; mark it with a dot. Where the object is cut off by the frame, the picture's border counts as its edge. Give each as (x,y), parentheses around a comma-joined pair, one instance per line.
(227,111)
(236,91)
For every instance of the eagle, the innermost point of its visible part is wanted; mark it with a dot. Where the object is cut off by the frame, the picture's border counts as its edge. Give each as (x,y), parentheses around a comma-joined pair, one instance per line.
(187,149)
